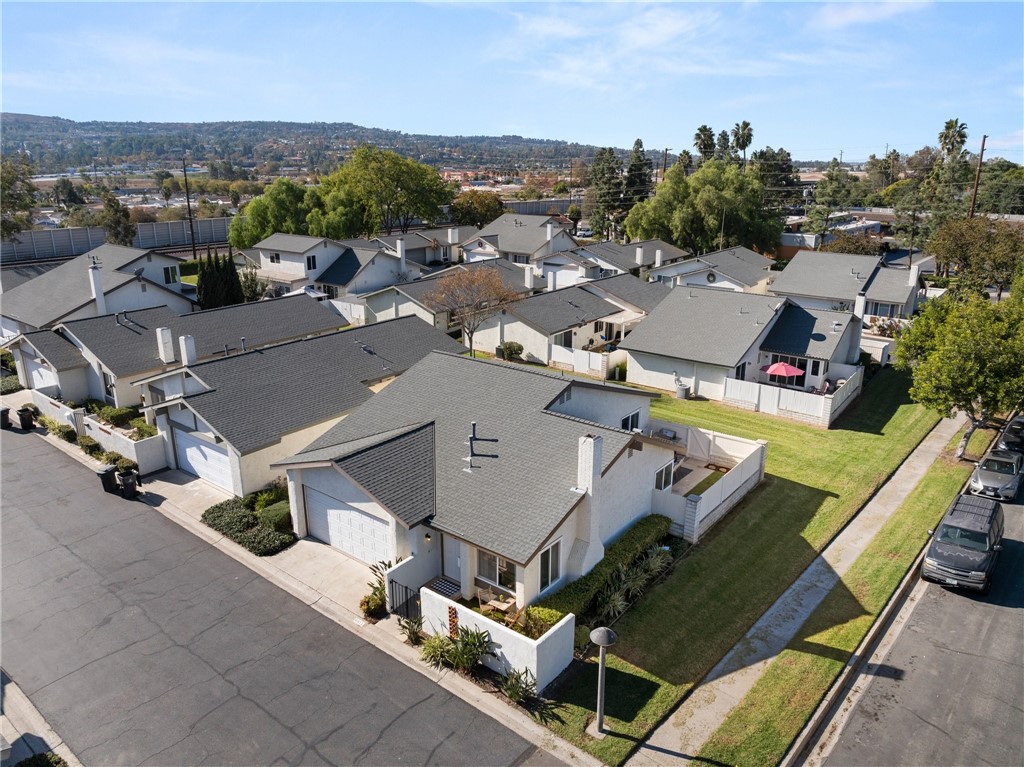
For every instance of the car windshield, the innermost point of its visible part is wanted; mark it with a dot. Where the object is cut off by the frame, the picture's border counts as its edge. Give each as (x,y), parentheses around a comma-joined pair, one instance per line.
(967,539)
(997,466)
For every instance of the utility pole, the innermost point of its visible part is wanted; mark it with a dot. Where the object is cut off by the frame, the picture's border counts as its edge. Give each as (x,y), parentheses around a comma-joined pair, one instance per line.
(664,164)
(977,177)
(188,205)
(840,157)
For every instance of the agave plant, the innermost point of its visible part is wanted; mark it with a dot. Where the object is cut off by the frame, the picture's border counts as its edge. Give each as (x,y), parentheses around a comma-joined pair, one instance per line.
(613,603)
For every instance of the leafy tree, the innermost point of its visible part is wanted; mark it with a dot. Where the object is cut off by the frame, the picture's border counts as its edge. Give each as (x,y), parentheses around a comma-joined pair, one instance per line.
(966,356)
(723,147)
(141,215)
(17,195)
(66,194)
(834,192)
(177,213)
(574,214)
(704,143)
(742,136)
(983,252)
(685,159)
(1002,188)
(117,221)
(921,162)
(281,208)
(476,207)
(851,243)
(560,187)
(605,193)
(252,286)
(82,216)
(885,171)
(774,168)
(334,210)
(159,176)
(471,296)
(718,206)
(218,283)
(637,184)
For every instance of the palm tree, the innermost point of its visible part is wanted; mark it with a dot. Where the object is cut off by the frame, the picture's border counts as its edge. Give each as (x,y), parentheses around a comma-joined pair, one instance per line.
(953,137)
(742,135)
(704,142)
(686,160)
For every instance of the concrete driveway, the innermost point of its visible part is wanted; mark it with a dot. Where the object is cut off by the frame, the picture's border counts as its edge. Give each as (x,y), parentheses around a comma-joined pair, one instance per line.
(142,644)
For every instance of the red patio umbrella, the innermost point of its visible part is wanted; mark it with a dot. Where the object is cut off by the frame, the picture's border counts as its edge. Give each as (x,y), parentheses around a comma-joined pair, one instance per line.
(783,369)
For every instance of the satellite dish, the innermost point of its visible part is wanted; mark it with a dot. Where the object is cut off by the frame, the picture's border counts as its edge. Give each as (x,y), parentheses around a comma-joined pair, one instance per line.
(138,273)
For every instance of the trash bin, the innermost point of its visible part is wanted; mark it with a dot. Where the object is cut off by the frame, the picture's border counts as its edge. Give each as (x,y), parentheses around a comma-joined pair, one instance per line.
(108,479)
(683,391)
(5,418)
(129,484)
(27,418)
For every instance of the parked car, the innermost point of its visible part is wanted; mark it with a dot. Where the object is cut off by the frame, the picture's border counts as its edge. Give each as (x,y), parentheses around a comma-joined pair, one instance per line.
(998,475)
(1012,436)
(966,544)
(584,231)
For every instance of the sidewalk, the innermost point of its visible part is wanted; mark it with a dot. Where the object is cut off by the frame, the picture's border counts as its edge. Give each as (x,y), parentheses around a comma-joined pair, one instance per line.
(681,736)
(25,730)
(332,584)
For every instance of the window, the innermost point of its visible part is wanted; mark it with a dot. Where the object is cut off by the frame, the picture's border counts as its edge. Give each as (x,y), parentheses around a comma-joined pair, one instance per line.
(275,258)
(496,570)
(563,339)
(815,367)
(170,275)
(741,371)
(310,263)
(631,421)
(142,287)
(108,386)
(564,397)
(550,564)
(599,326)
(799,362)
(517,259)
(663,477)
(330,290)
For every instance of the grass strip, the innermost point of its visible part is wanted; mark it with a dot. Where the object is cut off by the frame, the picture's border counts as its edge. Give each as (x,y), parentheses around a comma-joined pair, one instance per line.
(816,481)
(705,483)
(760,729)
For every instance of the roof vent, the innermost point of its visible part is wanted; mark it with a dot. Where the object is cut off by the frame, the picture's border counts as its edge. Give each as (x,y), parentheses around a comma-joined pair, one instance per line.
(836,324)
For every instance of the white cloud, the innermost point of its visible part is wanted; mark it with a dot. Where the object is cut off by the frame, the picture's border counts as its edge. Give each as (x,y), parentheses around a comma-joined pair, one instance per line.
(832,17)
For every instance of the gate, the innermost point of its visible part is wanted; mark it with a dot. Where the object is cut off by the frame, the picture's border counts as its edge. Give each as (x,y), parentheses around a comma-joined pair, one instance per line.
(404,601)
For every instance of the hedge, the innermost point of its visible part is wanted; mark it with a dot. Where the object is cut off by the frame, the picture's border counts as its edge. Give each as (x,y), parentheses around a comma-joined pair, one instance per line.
(244,527)
(118,416)
(142,429)
(578,596)
(263,541)
(277,516)
(89,446)
(9,385)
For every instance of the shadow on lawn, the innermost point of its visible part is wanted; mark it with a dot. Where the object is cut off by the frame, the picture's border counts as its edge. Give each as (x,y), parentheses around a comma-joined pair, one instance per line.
(879,400)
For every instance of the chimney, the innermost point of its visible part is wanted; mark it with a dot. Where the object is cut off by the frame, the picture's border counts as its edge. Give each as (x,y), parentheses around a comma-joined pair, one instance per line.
(657,258)
(453,235)
(551,231)
(165,345)
(860,305)
(639,255)
(401,254)
(551,281)
(96,285)
(588,468)
(528,271)
(915,270)
(188,350)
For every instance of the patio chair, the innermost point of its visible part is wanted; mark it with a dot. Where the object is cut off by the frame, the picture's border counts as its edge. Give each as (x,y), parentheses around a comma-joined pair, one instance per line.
(513,618)
(484,596)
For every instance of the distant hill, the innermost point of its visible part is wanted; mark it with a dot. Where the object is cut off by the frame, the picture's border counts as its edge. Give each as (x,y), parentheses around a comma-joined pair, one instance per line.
(57,144)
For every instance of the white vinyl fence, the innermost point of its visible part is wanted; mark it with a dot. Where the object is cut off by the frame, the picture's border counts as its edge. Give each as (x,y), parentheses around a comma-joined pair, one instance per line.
(596,364)
(817,409)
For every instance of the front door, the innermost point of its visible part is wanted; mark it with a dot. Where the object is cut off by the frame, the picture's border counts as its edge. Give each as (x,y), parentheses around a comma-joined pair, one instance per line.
(453,558)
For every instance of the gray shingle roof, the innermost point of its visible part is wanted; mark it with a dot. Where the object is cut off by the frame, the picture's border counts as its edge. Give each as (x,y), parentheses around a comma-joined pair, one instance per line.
(535,448)
(290,243)
(54,294)
(743,265)
(516,233)
(703,324)
(346,266)
(56,350)
(15,275)
(512,276)
(640,293)
(806,332)
(890,286)
(562,309)
(835,276)
(260,395)
(624,256)
(130,347)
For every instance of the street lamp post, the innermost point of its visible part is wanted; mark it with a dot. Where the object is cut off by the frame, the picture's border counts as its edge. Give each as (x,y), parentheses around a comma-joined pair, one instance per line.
(604,638)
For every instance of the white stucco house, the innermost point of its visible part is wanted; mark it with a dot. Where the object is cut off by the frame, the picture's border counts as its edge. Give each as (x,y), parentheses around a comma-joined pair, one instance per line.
(738,269)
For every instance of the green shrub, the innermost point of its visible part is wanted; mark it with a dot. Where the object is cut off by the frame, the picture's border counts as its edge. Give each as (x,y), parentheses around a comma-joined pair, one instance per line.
(89,446)
(45,759)
(249,501)
(93,406)
(189,268)
(118,416)
(374,605)
(276,517)
(7,359)
(578,597)
(9,385)
(111,457)
(412,628)
(50,424)
(469,648)
(518,686)
(67,432)
(274,493)
(512,350)
(539,620)
(262,541)
(435,650)
(581,638)
(126,464)
(142,429)
(230,517)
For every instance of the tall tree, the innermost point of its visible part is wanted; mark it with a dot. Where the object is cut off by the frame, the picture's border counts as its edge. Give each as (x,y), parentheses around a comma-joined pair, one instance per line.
(17,195)
(281,208)
(723,147)
(117,221)
(952,138)
(685,159)
(604,198)
(476,207)
(983,252)
(1002,188)
(637,184)
(704,143)
(253,287)
(471,296)
(742,136)
(851,243)
(66,194)
(774,168)
(717,206)
(833,192)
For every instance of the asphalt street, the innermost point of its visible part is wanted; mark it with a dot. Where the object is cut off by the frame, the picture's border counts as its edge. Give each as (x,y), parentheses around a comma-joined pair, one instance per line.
(142,644)
(951,689)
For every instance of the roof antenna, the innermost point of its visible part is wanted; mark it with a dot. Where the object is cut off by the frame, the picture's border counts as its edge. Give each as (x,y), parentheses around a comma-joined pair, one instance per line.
(225,350)
(469,458)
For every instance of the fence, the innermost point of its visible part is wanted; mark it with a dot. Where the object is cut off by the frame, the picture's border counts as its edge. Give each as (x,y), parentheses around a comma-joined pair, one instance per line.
(545,658)
(817,409)
(582,361)
(704,510)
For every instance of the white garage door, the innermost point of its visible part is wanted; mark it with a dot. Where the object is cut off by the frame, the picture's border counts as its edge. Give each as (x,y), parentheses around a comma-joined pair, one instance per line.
(202,458)
(40,376)
(345,527)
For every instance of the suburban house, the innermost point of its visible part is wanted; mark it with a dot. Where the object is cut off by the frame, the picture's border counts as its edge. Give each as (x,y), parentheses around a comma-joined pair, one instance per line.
(110,278)
(519,238)
(635,258)
(739,269)
(589,316)
(429,247)
(411,298)
(228,419)
(289,262)
(99,358)
(842,281)
(698,340)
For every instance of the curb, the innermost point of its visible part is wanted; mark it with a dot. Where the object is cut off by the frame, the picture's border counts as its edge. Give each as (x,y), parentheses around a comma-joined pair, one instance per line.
(34,731)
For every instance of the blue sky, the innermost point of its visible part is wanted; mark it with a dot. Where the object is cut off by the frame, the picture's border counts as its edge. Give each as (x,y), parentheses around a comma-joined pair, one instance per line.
(814,78)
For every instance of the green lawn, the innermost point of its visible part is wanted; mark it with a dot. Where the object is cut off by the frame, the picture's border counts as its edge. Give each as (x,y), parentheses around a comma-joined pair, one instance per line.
(190,279)
(705,483)
(816,481)
(760,729)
